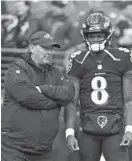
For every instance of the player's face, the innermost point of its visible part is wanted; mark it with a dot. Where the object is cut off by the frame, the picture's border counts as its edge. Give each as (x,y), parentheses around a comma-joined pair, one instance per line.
(96,37)
(41,55)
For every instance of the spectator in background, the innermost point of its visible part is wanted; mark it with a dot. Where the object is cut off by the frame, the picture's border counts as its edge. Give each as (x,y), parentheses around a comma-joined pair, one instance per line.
(27,24)
(19,27)
(76,37)
(57,23)
(8,23)
(8,29)
(123,32)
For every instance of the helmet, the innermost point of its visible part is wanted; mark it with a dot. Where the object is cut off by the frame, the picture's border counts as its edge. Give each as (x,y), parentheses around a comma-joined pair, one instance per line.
(97,23)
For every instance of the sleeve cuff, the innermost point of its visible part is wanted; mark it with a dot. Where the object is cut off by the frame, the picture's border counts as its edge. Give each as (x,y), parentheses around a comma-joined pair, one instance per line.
(45,88)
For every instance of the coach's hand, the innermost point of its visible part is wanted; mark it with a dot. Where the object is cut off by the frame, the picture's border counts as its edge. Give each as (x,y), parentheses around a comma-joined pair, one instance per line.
(127,139)
(72,143)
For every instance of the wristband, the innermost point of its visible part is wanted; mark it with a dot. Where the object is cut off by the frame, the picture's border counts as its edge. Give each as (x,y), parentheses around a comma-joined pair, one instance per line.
(69,132)
(128,128)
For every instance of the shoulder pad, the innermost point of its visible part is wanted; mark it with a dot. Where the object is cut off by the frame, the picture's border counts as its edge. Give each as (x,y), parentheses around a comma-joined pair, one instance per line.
(79,56)
(124,49)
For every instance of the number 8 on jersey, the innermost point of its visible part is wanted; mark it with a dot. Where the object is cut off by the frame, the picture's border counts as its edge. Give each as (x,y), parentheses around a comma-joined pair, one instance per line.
(99,95)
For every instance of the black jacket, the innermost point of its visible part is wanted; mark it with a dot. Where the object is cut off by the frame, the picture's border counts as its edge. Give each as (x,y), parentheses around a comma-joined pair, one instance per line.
(30,118)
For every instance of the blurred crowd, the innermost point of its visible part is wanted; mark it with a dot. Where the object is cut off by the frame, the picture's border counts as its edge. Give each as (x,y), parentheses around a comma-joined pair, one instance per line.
(63,20)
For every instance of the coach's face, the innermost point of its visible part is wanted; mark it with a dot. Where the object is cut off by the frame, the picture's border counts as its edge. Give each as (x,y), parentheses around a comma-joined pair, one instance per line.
(41,55)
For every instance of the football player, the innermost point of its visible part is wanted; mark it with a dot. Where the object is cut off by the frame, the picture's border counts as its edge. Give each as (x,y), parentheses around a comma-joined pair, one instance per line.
(102,78)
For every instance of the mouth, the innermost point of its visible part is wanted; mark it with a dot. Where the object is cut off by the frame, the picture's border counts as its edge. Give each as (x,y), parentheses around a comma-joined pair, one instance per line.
(47,58)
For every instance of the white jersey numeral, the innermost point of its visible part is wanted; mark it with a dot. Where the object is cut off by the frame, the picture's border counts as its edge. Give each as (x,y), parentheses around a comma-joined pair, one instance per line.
(99,85)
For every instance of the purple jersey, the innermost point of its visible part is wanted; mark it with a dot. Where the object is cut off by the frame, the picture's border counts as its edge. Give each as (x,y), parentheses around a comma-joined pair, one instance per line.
(101,86)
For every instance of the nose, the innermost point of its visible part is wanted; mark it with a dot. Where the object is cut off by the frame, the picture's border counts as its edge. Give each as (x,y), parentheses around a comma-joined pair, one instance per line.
(48,55)
(95,38)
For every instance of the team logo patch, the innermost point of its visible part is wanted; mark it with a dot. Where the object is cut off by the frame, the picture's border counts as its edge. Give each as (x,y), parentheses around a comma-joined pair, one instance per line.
(47,36)
(102,121)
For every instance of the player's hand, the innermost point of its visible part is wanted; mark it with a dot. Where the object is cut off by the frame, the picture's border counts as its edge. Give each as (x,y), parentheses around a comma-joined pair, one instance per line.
(72,143)
(127,139)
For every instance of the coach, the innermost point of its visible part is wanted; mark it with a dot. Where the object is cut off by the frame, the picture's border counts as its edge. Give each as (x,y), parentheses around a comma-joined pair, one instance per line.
(35,90)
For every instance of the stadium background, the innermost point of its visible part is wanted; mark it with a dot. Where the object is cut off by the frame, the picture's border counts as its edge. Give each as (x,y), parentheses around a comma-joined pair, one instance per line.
(75,11)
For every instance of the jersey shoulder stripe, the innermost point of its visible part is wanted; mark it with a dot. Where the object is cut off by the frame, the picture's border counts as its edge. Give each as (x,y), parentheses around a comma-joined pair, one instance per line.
(126,52)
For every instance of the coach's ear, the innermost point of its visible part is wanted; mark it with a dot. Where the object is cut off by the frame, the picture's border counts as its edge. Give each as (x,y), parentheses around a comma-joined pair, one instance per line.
(31,48)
